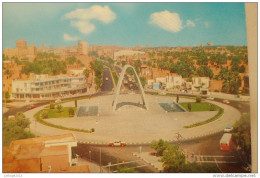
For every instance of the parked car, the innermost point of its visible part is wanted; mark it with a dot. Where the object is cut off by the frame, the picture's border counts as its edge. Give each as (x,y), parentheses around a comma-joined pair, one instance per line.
(57,100)
(106,78)
(31,106)
(117,143)
(228,129)
(226,101)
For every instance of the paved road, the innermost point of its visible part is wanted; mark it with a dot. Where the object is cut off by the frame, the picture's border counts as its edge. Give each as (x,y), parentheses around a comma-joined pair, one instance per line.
(136,126)
(107,84)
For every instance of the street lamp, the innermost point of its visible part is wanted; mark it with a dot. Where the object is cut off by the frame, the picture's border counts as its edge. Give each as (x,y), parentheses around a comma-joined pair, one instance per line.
(89,155)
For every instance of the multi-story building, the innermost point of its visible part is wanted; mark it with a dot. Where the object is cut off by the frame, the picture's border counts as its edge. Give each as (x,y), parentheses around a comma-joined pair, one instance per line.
(22,51)
(46,87)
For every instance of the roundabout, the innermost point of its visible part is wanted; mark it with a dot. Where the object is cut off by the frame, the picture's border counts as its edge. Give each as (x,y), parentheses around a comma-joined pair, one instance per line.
(134,124)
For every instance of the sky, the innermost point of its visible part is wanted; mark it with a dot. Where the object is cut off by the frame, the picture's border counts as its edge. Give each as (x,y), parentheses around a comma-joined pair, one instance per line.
(124,24)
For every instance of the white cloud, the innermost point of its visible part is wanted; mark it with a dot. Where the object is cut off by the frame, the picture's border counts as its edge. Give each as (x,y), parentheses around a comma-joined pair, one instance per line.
(81,18)
(166,20)
(67,37)
(190,23)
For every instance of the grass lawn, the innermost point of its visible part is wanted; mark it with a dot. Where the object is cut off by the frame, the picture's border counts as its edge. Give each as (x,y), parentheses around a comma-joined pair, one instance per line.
(203,106)
(53,113)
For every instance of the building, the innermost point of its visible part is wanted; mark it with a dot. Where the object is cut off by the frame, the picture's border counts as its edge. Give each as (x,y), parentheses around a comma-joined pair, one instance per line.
(48,87)
(216,85)
(200,82)
(11,71)
(42,155)
(22,51)
(82,47)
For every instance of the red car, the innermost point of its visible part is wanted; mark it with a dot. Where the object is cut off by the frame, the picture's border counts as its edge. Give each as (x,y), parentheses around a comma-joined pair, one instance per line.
(117,143)
(31,107)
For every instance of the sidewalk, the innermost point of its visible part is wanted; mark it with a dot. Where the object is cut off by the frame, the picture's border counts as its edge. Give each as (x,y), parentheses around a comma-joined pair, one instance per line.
(150,159)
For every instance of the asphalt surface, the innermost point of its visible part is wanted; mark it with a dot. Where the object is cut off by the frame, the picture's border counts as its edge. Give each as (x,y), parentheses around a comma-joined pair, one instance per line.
(107,84)
(203,146)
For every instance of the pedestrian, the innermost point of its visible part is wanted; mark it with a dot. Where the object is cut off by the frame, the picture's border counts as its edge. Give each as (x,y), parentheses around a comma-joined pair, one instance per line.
(177,99)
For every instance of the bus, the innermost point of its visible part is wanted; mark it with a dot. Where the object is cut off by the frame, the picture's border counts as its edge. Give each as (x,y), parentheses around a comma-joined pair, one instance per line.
(226,141)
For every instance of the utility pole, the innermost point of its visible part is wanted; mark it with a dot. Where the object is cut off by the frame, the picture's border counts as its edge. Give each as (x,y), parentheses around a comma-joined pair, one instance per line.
(100,159)
(178,137)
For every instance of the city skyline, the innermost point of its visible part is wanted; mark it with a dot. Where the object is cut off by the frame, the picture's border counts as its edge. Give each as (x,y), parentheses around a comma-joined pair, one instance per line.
(124,24)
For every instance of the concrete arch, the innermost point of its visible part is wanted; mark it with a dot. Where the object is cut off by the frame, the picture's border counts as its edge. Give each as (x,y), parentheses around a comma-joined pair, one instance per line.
(119,84)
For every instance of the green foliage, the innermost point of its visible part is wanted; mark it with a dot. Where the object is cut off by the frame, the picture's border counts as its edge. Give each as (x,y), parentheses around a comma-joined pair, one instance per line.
(51,67)
(189,107)
(242,69)
(125,169)
(6,96)
(159,146)
(242,135)
(86,72)
(44,114)
(205,71)
(97,66)
(59,107)
(174,161)
(71,111)
(92,130)
(198,99)
(218,115)
(143,81)
(52,106)
(14,129)
(44,122)
(202,106)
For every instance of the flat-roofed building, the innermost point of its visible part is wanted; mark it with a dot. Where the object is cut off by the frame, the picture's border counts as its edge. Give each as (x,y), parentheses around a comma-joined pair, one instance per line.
(46,87)
(42,154)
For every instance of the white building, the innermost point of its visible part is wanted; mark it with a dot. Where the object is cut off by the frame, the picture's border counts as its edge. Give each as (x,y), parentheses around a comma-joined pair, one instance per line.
(46,87)
(200,82)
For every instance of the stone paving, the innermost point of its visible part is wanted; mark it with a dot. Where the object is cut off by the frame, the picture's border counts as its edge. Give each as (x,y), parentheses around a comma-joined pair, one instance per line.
(135,125)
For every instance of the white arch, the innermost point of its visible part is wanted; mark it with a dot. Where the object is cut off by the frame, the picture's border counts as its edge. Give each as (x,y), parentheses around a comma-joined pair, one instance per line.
(119,84)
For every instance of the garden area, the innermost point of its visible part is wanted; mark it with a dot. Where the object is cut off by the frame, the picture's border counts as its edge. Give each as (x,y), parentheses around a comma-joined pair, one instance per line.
(58,111)
(199,106)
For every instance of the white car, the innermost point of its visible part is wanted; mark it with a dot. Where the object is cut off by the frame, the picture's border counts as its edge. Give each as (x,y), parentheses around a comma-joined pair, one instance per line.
(106,78)
(57,101)
(228,129)
(117,143)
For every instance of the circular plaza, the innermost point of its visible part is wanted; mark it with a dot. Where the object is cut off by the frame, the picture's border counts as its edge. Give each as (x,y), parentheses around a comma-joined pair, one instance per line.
(131,122)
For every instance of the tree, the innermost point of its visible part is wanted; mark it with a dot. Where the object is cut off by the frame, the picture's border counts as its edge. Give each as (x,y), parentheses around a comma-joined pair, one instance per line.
(71,111)
(6,96)
(159,146)
(242,69)
(205,71)
(44,114)
(86,72)
(173,159)
(242,135)
(59,108)
(143,81)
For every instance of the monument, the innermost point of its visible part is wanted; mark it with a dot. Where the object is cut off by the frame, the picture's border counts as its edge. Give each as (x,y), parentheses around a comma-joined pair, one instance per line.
(119,84)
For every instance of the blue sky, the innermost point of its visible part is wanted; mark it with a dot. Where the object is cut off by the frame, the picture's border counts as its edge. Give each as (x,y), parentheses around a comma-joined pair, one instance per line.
(124,24)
